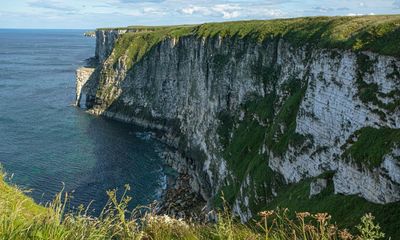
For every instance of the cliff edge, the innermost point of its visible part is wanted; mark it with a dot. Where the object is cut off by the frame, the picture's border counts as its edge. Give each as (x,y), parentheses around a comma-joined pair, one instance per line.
(252,107)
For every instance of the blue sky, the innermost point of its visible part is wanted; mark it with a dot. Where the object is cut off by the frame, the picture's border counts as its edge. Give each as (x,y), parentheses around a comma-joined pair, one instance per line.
(91,14)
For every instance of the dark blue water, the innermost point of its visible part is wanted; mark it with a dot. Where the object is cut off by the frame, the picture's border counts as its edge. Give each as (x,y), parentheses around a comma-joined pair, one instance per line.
(45,142)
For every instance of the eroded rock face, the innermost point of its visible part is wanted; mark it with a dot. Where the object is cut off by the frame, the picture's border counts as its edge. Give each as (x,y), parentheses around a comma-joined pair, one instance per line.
(182,85)
(380,185)
(83,75)
(105,40)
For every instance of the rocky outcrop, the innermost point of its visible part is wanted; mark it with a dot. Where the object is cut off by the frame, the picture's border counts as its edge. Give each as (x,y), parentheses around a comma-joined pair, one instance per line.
(184,85)
(317,186)
(380,185)
(83,75)
(91,34)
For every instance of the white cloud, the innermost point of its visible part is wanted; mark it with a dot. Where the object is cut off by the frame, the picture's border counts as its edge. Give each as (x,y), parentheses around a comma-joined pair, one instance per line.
(153,11)
(360,14)
(228,11)
(231,11)
(196,10)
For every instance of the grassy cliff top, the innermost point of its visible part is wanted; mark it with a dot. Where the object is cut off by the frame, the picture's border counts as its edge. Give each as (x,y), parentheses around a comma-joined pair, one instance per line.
(380,34)
(21,218)
(14,202)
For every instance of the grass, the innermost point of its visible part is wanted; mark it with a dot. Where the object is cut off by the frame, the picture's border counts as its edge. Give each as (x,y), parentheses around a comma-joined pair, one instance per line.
(134,45)
(371,145)
(374,33)
(21,218)
(345,210)
(378,34)
(12,199)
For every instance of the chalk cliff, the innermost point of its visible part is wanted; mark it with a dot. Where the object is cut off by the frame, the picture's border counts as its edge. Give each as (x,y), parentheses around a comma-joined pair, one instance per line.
(248,116)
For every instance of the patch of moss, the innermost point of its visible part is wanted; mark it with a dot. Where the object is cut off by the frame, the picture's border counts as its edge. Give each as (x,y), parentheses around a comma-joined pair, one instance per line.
(264,125)
(265,74)
(225,127)
(395,74)
(372,145)
(220,61)
(282,132)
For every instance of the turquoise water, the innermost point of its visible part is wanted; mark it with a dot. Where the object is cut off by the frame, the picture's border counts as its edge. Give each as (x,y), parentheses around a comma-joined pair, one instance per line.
(45,142)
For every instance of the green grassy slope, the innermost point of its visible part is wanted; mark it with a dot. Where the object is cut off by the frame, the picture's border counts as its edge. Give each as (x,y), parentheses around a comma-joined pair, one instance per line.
(345,210)
(372,144)
(12,199)
(380,34)
(21,218)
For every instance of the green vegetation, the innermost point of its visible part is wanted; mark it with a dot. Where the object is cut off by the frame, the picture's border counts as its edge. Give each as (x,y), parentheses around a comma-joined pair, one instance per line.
(134,45)
(269,122)
(12,199)
(277,140)
(20,218)
(378,34)
(375,33)
(266,123)
(372,145)
(345,210)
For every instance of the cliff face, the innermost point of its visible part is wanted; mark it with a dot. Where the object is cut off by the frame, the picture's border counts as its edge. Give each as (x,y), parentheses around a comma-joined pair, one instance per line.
(105,41)
(247,117)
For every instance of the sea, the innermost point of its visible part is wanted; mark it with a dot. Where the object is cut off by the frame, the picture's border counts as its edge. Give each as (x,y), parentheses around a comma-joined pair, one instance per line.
(47,145)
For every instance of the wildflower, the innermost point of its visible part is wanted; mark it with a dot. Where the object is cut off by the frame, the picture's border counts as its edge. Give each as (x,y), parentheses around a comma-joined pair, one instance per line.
(266,214)
(332,229)
(310,228)
(345,235)
(302,215)
(127,187)
(322,217)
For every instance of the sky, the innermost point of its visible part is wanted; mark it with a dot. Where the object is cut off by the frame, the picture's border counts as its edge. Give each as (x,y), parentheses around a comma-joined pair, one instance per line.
(90,14)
